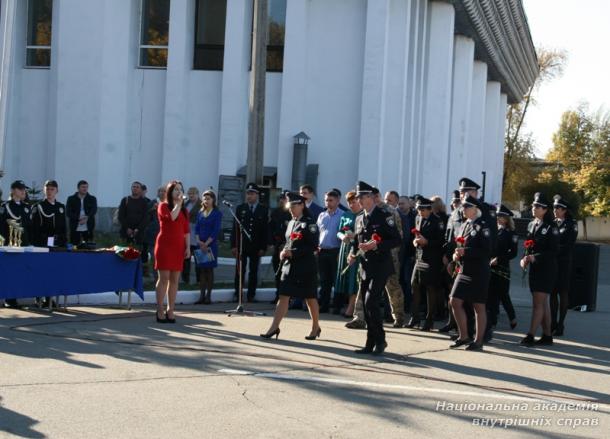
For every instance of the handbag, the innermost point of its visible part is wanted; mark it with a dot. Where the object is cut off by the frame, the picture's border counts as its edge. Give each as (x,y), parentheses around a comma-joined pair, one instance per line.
(203,257)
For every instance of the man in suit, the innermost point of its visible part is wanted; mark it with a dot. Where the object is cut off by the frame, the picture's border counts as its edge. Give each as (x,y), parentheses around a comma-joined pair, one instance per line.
(254,218)
(307,192)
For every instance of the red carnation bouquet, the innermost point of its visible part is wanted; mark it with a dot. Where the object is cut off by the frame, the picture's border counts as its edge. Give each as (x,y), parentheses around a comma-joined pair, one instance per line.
(415,232)
(295,236)
(127,253)
(461,242)
(529,249)
(376,238)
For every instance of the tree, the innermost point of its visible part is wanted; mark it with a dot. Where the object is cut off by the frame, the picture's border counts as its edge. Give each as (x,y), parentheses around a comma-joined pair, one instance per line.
(581,153)
(519,145)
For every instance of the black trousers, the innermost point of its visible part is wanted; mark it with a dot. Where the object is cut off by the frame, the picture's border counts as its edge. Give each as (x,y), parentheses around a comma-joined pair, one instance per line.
(498,292)
(327,270)
(78,237)
(253,259)
(374,289)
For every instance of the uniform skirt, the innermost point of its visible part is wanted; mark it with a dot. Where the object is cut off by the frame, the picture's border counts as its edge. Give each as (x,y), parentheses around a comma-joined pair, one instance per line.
(471,287)
(298,280)
(542,277)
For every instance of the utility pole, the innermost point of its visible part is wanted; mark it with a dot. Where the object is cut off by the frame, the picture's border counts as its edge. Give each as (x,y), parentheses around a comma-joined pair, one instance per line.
(256,120)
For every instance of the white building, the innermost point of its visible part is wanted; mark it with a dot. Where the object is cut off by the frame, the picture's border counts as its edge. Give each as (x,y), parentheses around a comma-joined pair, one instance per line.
(406,94)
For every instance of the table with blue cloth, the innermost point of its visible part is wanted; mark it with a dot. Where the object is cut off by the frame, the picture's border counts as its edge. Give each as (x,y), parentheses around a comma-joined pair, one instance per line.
(67,273)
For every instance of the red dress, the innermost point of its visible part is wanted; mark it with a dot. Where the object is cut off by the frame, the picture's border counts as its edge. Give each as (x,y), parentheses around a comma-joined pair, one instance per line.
(170,245)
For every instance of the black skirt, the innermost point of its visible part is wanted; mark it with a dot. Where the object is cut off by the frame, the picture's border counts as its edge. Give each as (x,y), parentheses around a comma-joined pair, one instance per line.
(471,288)
(542,277)
(299,279)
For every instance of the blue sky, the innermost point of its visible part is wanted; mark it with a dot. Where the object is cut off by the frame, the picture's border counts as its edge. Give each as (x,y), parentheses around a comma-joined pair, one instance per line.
(582,28)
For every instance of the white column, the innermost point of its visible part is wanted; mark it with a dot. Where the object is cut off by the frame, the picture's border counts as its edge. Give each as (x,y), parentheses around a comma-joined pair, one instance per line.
(179,64)
(438,98)
(8,11)
(373,90)
(392,150)
(476,123)
(234,95)
(490,136)
(294,79)
(463,56)
(499,162)
(415,95)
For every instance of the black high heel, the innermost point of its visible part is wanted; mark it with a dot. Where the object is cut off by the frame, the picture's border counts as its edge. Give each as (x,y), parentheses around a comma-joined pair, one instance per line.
(316,335)
(271,334)
(163,320)
(168,320)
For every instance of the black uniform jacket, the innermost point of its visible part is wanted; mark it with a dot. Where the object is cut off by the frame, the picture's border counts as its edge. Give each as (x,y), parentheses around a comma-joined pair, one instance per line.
(278,223)
(20,212)
(506,246)
(376,262)
(429,257)
(477,248)
(302,240)
(568,232)
(49,220)
(256,224)
(546,242)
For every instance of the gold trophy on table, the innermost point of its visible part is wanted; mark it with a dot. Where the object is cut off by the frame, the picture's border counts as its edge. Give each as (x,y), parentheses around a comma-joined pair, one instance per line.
(15,233)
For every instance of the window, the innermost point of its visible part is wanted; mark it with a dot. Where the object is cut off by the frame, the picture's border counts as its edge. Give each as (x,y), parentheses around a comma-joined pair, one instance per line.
(38,44)
(275,35)
(154,35)
(210,20)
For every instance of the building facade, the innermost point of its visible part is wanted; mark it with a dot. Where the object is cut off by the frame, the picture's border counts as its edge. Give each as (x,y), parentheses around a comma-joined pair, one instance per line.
(406,94)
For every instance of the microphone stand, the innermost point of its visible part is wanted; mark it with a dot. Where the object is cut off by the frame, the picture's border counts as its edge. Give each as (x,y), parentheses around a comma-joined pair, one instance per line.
(240,311)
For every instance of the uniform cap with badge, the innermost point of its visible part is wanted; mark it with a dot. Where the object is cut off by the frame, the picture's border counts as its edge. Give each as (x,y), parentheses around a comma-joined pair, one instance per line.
(471,201)
(294,198)
(502,210)
(558,201)
(363,188)
(252,187)
(18,184)
(423,203)
(456,196)
(540,200)
(466,184)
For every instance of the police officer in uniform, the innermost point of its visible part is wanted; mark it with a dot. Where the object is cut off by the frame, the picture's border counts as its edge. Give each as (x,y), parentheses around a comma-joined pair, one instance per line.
(375,236)
(280,217)
(49,218)
(16,209)
(568,232)
(254,218)
(472,281)
(299,269)
(541,262)
(428,263)
(499,282)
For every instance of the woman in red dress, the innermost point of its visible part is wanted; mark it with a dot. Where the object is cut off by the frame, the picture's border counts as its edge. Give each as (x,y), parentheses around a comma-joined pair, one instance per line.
(171,249)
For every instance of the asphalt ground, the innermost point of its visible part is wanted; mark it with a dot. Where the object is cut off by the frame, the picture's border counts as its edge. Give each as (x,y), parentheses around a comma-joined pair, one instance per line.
(107,372)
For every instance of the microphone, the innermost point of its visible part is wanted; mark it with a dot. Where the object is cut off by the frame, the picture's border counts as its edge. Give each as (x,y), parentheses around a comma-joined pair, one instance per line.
(226,203)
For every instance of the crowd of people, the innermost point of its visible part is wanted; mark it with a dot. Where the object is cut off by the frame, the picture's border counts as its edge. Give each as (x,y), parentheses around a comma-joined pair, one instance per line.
(374,259)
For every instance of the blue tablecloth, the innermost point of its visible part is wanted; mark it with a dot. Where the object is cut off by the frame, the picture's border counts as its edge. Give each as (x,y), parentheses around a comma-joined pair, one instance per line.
(67,273)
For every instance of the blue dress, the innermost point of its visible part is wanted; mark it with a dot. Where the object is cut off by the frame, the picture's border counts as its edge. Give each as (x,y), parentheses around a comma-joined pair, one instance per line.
(206,227)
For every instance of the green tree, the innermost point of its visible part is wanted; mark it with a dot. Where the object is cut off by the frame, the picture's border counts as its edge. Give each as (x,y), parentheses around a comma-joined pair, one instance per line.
(518,145)
(581,153)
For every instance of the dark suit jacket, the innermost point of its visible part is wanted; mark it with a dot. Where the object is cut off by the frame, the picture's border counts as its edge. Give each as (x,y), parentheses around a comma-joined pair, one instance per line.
(255,224)
(429,257)
(73,211)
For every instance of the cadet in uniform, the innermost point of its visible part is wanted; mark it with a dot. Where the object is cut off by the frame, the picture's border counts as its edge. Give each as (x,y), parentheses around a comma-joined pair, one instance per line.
(499,282)
(16,209)
(375,236)
(254,218)
(472,281)
(299,275)
(49,218)
(428,263)
(280,217)
(541,261)
(568,232)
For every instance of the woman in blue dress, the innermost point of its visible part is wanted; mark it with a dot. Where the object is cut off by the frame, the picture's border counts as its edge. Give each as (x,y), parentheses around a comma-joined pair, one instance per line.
(346,283)
(209,220)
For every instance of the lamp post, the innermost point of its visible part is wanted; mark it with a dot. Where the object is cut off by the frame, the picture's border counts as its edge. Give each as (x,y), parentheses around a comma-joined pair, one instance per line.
(299,159)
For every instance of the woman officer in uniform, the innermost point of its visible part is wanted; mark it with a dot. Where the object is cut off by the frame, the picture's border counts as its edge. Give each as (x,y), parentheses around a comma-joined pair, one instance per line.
(298,267)
(472,256)
(541,259)
(568,232)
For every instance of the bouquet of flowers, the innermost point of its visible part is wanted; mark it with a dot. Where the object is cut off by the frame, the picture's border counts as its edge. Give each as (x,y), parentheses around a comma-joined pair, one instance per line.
(127,253)
(529,248)
(461,243)
(415,232)
(374,237)
(294,236)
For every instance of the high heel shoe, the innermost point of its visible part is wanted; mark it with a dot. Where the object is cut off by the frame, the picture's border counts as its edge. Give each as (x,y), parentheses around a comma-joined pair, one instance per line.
(163,320)
(271,334)
(513,324)
(168,320)
(314,336)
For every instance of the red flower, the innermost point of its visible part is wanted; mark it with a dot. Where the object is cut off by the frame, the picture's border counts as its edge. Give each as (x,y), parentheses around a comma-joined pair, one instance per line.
(458,269)
(529,243)
(346,228)
(127,253)
(295,236)
(414,231)
(376,238)
(460,240)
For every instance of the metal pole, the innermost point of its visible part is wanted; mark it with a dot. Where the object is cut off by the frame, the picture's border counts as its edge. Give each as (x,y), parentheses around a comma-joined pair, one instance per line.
(483,188)
(256,121)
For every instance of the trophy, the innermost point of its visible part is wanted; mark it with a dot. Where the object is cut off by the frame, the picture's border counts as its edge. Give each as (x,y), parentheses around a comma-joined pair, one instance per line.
(1,241)
(15,233)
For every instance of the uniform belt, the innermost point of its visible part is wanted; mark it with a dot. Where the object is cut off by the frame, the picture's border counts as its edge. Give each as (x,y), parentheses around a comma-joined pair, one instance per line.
(334,249)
